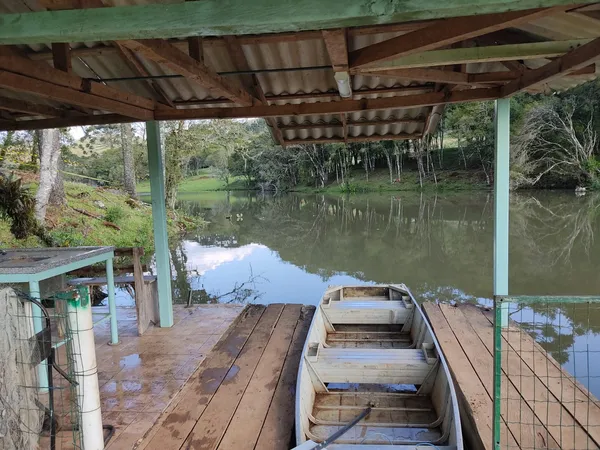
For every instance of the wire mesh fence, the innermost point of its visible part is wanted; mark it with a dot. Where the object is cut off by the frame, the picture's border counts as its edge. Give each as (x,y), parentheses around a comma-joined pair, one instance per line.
(547,373)
(38,388)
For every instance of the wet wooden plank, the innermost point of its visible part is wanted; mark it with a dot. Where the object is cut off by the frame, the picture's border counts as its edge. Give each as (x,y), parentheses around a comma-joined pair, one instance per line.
(473,397)
(210,428)
(175,424)
(476,338)
(577,422)
(244,428)
(277,428)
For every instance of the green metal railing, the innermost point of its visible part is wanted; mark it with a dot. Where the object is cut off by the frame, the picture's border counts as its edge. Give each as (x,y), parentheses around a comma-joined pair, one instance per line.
(546,372)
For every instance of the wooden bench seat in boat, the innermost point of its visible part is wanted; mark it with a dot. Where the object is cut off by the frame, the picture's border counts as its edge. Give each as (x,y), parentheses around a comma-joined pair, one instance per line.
(371,312)
(368,365)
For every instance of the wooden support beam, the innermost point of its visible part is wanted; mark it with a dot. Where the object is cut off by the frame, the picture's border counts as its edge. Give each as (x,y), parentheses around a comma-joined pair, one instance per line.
(11,104)
(400,90)
(446,33)
(574,60)
(98,119)
(196,49)
(20,83)
(304,109)
(11,61)
(215,17)
(423,75)
(138,68)
(372,138)
(169,56)
(349,123)
(337,48)
(466,55)
(344,127)
(61,57)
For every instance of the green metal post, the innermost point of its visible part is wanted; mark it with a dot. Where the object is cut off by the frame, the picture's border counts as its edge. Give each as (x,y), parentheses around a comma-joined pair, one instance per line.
(112,306)
(501,233)
(38,324)
(159,217)
(502,202)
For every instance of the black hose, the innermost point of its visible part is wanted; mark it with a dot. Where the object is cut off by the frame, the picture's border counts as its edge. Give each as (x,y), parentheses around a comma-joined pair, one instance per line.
(111,433)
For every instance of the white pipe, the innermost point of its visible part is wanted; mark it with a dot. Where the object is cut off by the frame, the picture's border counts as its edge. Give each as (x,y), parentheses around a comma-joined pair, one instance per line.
(86,371)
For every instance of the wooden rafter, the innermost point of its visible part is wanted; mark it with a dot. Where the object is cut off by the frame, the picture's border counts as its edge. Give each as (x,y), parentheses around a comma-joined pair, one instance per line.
(491,53)
(23,75)
(196,48)
(97,119)
(448,32)
(304,109)
(349,123)
(179,62)
(423,75)
(344,127)
(11,104)
(337,48)
(574,60)
(215,17)
(138,68)
(61,57)
(401,90)
(372,138)
(252,83)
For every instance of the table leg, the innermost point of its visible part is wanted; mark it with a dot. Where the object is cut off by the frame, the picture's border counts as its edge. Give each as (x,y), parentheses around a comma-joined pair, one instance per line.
(38,324)
(112,306)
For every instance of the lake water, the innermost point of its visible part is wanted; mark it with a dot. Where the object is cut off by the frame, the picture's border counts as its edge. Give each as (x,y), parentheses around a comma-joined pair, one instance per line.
(290,248)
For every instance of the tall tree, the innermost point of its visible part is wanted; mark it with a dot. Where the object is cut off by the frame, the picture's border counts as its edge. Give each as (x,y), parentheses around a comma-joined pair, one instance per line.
(128,159)
(49,144)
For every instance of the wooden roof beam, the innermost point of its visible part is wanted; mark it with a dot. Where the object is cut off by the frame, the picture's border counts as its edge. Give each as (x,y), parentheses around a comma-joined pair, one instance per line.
(349,123)
(11,104)
(491,53)
(61,57)
(215,17)
(23,75)
(423,75)
(138,68)
(305,109)
(179,62)
(252,83)
(574,60)
(372,138)
(337,49)
(443,34)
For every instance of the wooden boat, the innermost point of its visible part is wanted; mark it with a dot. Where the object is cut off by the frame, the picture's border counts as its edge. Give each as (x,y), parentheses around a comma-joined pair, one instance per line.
(371,346)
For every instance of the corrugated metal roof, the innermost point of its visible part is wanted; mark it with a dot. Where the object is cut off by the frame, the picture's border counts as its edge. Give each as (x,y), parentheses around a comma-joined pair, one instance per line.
(300,65)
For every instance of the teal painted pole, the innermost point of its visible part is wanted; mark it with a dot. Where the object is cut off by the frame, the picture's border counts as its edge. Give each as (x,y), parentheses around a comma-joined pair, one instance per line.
(159,217)
(502,203)
(38,324)
(501,236)
(112,306)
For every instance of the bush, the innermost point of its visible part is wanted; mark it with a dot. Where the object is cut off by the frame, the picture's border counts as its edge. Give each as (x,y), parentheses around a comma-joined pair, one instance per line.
(114,214)
(18,204)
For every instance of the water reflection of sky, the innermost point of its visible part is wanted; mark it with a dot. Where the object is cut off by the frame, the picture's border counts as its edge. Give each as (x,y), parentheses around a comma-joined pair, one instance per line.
(217,269)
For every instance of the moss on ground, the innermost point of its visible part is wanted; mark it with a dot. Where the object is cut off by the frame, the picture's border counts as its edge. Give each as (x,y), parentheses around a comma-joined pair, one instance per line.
(69,227)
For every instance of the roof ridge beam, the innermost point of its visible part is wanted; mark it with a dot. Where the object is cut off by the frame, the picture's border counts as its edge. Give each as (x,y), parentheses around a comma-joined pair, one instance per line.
(449,32)
(216,17)
(162,52)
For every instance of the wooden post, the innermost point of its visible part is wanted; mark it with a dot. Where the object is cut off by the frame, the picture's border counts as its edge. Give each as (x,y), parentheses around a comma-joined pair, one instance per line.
(159,217)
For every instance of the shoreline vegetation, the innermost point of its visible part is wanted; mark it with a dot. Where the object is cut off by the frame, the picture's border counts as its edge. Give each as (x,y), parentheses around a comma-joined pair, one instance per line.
(95,216)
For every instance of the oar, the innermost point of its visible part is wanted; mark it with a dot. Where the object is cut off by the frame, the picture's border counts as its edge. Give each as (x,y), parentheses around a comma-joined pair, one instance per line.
(311,445)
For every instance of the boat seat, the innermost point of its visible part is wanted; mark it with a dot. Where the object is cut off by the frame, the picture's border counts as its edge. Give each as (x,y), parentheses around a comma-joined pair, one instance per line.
(366,311)
(358,365)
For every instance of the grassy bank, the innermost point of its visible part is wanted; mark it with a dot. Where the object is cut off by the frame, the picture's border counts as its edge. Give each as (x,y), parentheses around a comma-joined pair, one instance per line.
(97,216)
(378,181)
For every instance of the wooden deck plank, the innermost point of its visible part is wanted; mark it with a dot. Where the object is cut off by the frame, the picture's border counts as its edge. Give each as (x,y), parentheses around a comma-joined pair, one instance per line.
(177,421)
(277,428)
(244,428)
(525,426)
(473,397)
(560,383)
(210,428)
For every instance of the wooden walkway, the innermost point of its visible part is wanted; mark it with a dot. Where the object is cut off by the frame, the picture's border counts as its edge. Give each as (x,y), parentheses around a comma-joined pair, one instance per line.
(242,396)
(543,406)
